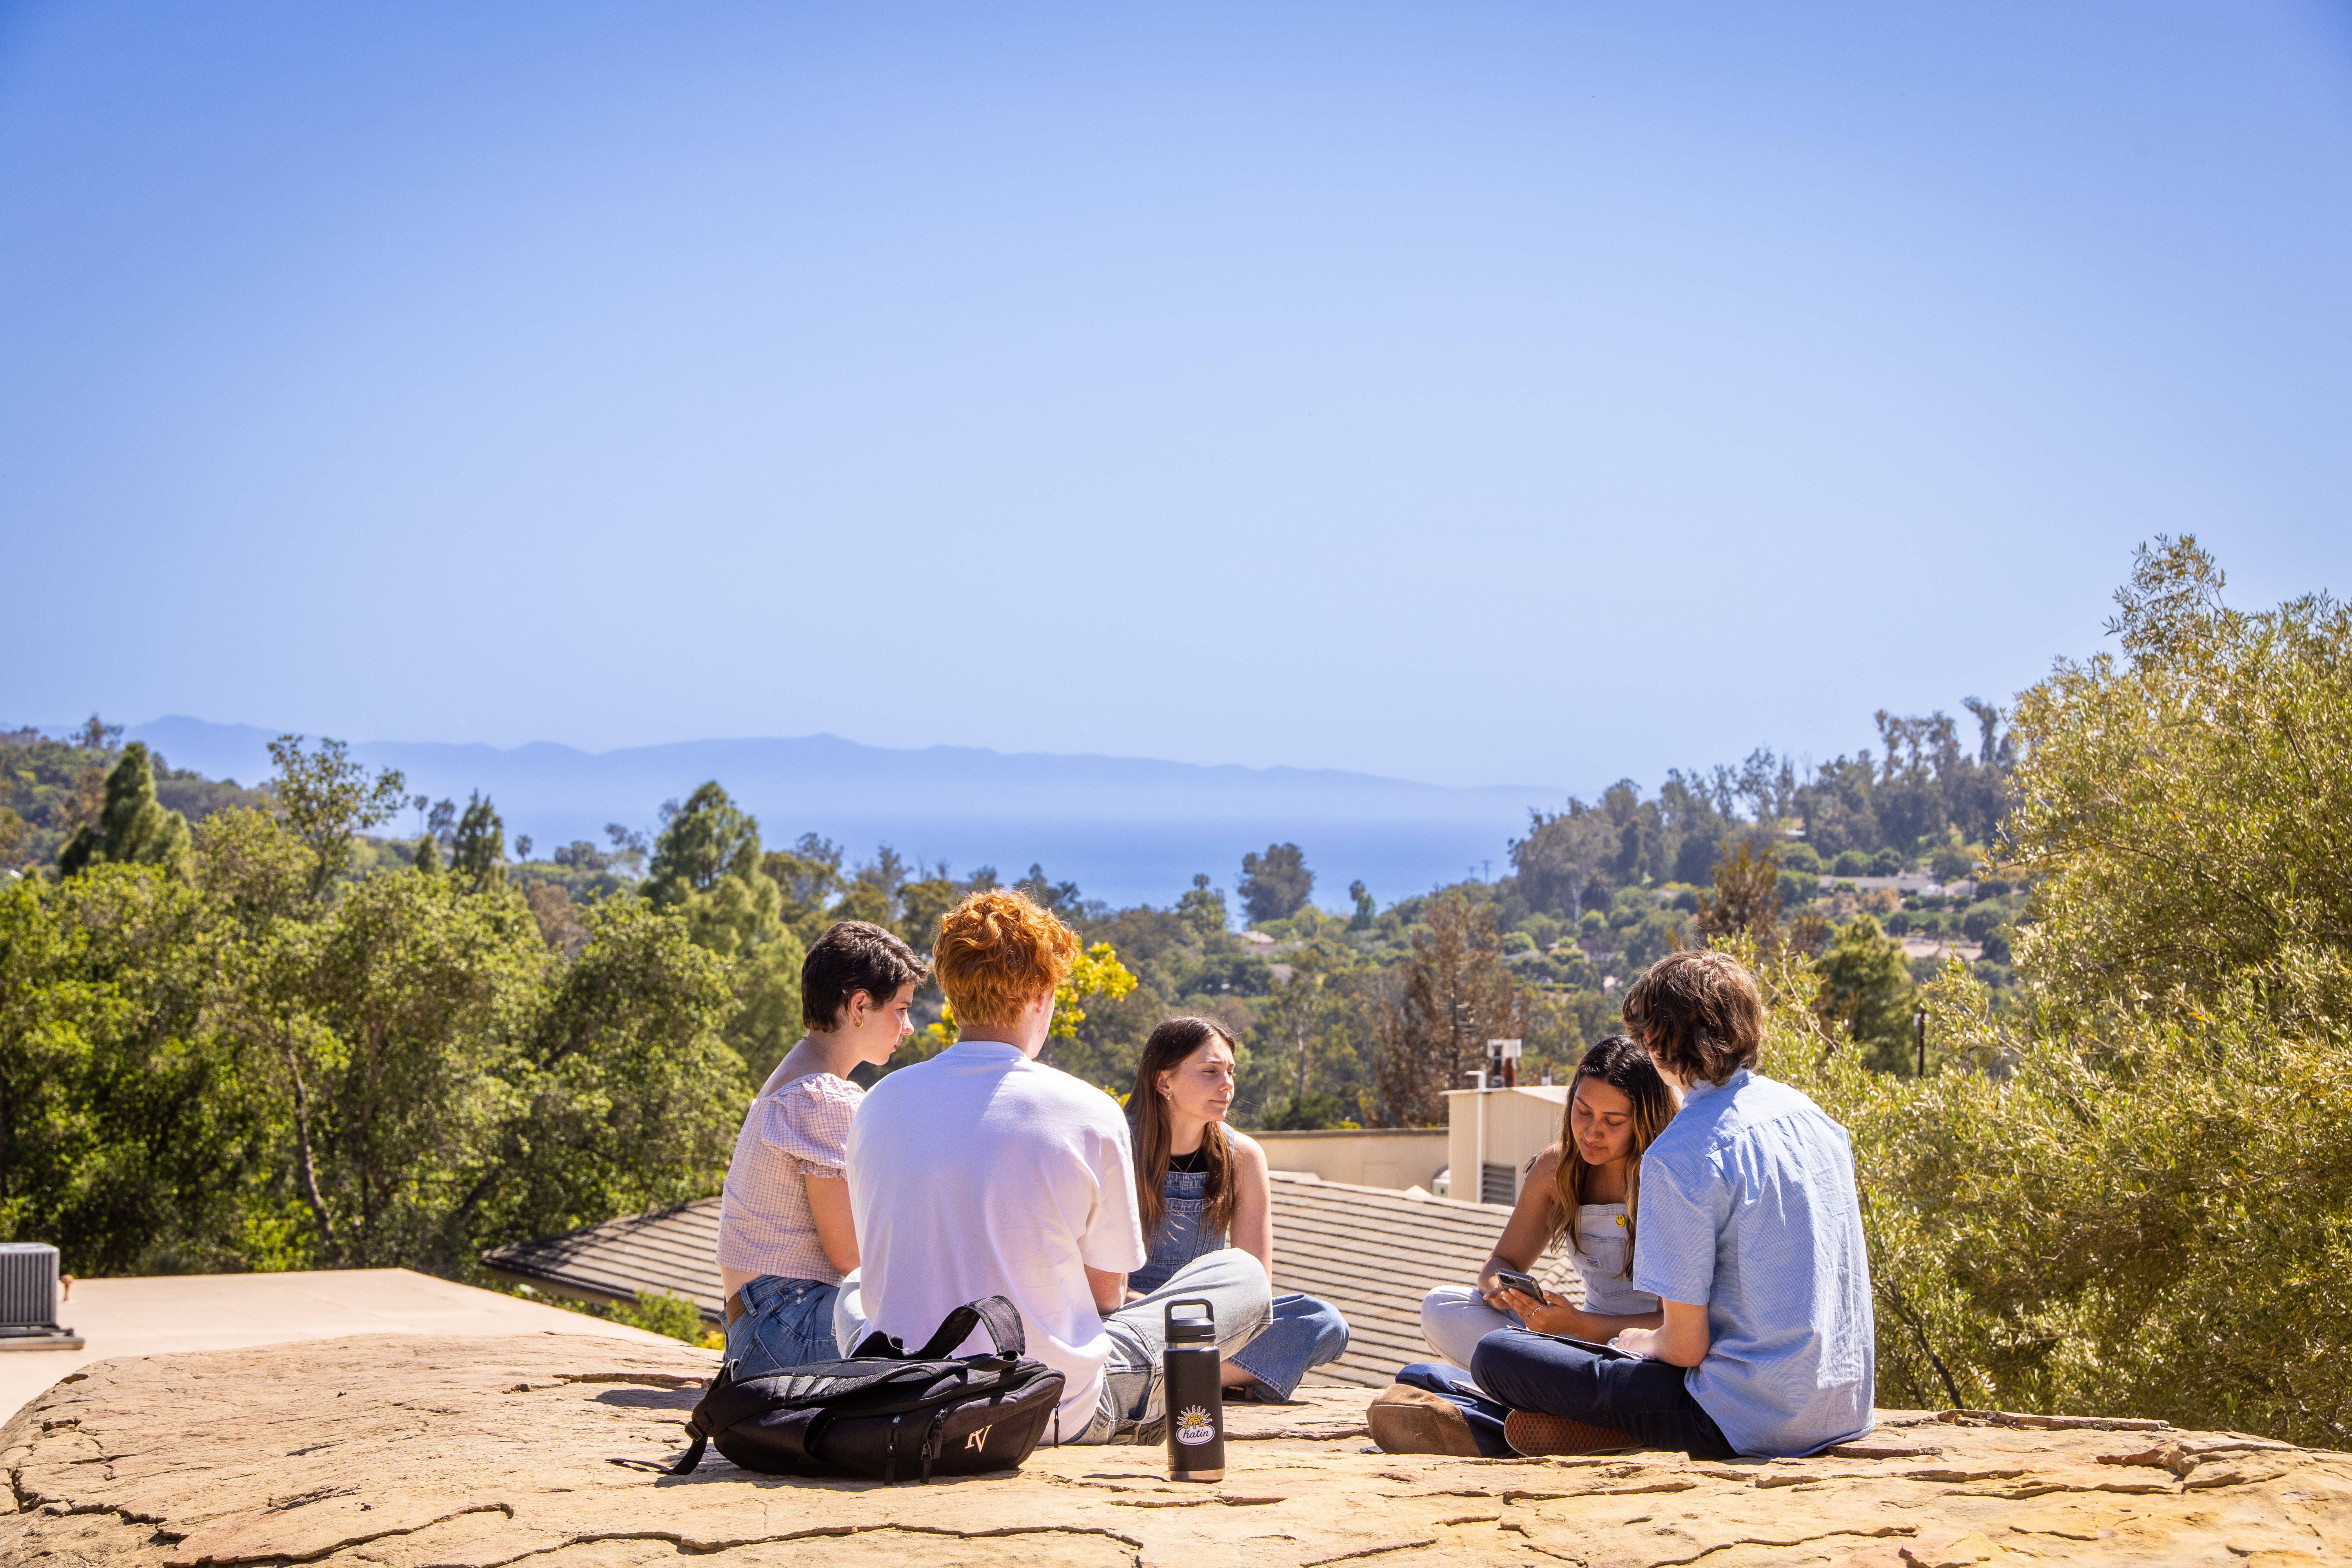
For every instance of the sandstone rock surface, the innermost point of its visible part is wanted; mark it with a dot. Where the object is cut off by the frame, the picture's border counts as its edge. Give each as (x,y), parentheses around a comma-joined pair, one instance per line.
(413,1452)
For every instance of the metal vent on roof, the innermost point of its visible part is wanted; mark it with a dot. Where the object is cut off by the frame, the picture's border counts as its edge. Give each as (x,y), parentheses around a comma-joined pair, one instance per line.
(1497,1184)
(28,1287)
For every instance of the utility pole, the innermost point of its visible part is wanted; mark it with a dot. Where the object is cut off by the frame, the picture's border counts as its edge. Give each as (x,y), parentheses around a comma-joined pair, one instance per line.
(1919,1023)
(1456,1020)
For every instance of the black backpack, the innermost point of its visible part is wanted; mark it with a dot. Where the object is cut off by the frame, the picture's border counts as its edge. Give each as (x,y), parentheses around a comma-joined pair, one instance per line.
(886,1409)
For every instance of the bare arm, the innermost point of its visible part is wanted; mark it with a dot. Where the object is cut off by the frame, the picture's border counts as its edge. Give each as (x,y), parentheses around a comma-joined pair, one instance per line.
(1527,1231)
(1683,1341)
(1524,1238)
(1253,1202)
(828,1201)
(1109,1290)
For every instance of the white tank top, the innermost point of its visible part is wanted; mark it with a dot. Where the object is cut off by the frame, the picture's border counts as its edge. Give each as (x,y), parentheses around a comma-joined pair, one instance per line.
(1601,1228)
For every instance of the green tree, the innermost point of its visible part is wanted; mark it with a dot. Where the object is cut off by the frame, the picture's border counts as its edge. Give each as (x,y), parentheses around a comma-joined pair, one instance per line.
(2181,807)
(219,1072)
(326,798)
(2126,1195)
(809,875)
(922,906)
(1747,897)
(1203,908)
(129,1127)
(740,919)
(1293,1015)
(1953,862)
(1276,885)
(480,850)
(1561,855)
(1866,992)
(702,841)
(626,1096)
(132,828)
(1367,911)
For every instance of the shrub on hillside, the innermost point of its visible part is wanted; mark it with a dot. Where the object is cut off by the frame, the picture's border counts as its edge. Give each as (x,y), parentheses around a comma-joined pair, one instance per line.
(2131,1196)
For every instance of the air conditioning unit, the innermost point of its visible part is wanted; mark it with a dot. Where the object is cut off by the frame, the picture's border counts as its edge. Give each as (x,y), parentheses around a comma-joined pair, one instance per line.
(28,1298)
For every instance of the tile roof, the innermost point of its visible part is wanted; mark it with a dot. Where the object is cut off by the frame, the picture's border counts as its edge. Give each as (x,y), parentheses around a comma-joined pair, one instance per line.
(674,1250)
(1371,1252)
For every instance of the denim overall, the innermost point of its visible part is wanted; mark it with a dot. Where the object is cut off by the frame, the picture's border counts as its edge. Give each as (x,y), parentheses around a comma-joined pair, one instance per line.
(1304,1333)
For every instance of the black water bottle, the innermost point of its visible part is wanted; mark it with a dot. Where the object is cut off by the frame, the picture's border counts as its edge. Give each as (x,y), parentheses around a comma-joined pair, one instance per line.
(1196,1396)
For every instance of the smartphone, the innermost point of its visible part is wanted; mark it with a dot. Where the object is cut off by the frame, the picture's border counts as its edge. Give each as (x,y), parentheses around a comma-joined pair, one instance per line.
(1512,1280)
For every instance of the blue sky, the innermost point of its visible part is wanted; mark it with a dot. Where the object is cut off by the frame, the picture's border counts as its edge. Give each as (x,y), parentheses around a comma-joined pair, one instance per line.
(1477,393)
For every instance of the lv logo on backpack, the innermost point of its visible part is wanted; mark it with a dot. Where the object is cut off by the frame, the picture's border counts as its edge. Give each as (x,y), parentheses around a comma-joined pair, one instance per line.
(887,1409)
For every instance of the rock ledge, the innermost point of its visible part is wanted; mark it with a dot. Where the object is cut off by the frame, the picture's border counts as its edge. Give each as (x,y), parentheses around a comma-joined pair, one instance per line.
(411,1452)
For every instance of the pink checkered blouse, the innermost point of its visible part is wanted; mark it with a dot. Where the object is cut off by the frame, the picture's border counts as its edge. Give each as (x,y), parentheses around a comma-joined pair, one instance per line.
(796,1129)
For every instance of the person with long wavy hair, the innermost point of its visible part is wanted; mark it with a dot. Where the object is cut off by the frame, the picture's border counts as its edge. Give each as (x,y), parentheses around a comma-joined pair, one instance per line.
(1584,1193)
(1201,1186)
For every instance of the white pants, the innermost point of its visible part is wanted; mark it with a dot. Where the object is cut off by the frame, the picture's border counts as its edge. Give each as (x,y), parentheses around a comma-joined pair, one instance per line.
(1455,1318)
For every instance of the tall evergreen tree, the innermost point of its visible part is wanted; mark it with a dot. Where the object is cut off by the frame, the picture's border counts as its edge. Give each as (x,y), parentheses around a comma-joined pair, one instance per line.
(133,827)
(481,846)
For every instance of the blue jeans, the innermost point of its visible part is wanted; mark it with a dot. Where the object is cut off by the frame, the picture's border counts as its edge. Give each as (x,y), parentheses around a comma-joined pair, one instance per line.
(1646,1400)
(1304,1332)
(785,1323)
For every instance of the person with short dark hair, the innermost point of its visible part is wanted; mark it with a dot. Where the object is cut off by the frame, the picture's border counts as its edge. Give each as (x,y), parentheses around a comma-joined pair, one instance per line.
(1752,1239)
(785,1235)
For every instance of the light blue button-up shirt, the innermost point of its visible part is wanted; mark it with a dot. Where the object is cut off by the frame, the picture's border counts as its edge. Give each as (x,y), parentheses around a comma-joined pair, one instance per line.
(1748,1205)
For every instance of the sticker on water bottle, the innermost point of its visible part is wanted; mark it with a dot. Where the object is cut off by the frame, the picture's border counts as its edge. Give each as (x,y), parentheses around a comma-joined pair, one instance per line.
(1193,1426)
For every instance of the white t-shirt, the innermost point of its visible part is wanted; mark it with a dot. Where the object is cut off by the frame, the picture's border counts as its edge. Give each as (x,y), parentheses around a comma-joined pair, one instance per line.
(981,1173)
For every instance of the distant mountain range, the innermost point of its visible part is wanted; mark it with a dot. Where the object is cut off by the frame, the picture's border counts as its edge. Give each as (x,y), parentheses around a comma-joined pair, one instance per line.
(1125,829)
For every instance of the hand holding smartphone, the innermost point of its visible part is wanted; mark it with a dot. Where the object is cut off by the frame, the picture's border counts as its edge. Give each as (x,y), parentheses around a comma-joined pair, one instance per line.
(1524,1284)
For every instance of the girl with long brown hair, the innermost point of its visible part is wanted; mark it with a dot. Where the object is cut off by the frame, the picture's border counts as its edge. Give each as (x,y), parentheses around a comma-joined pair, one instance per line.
(1583,1191)
(1201,1186)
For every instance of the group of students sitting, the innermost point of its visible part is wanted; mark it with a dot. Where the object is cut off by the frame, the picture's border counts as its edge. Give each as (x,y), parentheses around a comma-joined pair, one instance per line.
(1712,1214)
(981,1173)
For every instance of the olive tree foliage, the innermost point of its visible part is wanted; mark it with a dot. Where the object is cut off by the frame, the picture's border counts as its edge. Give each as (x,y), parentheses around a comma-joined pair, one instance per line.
(2182,806)
(128,1134)
(222,1064)
(2134,1196)
(324,798)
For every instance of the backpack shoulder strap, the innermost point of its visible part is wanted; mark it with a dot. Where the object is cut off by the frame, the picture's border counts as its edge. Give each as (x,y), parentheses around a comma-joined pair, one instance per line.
(1002,1318)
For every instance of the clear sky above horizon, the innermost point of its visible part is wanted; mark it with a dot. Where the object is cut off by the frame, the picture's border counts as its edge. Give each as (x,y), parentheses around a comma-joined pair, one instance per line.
(1477,393)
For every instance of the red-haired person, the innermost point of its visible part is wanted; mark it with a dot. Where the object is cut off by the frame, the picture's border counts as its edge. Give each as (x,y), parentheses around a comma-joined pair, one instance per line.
(981,1173)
